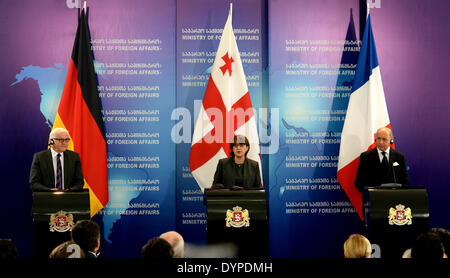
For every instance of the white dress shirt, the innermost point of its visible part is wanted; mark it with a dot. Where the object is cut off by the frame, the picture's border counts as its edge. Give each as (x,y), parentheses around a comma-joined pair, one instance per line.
(54,154)
(380,155)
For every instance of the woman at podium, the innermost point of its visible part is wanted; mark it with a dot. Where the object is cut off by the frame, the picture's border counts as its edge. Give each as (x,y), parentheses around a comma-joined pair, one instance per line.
(237,171)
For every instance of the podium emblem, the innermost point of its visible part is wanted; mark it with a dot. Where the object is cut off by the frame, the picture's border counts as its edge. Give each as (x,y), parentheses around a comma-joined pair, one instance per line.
(237,218)
(61,222)
(400,216)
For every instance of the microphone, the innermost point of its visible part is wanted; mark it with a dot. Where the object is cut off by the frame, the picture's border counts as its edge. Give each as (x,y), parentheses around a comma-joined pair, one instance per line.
(218,186)
(393,173)
(394,184)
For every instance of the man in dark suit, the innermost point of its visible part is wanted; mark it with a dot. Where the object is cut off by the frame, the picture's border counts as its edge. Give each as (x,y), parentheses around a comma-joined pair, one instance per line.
(381,164)
(56,168)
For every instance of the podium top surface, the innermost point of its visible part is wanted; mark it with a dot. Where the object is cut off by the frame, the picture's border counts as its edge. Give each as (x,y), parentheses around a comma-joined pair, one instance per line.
(234,190)
(387,187)
(381,200)
(50,202)
(229,196)
(245,193)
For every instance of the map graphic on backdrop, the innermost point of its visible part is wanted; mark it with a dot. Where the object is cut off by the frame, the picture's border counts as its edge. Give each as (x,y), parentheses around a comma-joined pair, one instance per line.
(132,189)
(50,86)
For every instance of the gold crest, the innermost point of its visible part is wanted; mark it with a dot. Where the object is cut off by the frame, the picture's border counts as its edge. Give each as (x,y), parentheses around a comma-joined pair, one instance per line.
(400,216)
(61,222)
(237,218)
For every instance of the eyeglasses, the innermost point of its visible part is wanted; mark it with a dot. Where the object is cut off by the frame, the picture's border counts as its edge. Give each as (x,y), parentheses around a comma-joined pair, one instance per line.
(62,140)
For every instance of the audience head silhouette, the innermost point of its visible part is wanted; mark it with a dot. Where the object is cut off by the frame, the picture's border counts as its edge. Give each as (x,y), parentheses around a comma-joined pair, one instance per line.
(67,250)
(357,246)
(7,249)
(157,248)
(176,241)
(86,233)
(427,246)
(444,235)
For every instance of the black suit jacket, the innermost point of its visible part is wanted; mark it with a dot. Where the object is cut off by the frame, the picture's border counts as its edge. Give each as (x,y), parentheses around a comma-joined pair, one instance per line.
(370,172)
(42,176)
(225,173)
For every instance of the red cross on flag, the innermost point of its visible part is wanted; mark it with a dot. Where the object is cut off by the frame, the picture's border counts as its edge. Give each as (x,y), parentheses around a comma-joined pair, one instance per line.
(226,110)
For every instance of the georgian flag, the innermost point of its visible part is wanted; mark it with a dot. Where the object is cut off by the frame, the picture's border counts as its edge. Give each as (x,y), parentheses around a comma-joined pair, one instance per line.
(226,110)
(366,112)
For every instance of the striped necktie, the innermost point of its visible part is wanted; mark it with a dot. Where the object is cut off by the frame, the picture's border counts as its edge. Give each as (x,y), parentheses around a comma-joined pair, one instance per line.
(58,172)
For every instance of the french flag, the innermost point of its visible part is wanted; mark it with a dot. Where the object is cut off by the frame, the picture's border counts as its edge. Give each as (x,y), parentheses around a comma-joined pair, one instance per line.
(366,112)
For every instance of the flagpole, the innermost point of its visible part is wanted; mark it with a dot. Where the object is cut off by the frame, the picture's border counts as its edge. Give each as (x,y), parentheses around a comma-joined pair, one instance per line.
(84,6)
(368,10)
(231,12)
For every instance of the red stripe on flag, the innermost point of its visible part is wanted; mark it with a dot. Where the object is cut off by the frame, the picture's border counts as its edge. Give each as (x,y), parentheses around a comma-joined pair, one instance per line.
(346,177)
(87,138)
(244,103)
(202,152)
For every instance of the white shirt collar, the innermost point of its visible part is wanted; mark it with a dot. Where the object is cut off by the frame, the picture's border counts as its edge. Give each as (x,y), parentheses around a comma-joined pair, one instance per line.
(387,151)
(54,153)
(380,155)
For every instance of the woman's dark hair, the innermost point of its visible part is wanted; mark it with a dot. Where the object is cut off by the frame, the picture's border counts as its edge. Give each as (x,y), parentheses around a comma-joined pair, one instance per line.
(239,139)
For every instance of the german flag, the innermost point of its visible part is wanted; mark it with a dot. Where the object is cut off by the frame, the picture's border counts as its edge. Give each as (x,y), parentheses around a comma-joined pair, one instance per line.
(80,113)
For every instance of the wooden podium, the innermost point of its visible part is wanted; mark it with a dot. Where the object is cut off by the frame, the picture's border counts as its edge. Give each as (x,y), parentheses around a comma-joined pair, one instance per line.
(54,214)
(238,217)
(395,217)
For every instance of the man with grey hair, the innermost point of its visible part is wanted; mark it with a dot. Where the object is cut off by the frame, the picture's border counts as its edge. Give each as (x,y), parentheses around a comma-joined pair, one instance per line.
(56,168)
(176,241)
(382,164)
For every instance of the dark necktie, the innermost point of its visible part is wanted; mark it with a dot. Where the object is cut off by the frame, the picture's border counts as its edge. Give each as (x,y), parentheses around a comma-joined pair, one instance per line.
(385,163)
(58,172)
(384,158)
